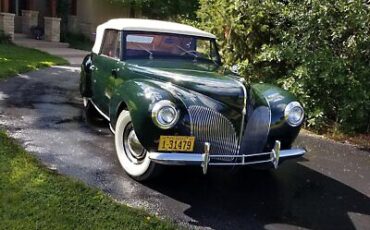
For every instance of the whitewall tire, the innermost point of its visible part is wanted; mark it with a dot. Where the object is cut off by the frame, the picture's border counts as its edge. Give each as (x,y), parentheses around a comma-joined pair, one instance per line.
(132,156)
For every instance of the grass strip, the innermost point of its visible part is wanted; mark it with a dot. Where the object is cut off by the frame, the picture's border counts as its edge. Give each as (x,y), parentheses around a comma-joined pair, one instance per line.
(15,59)
(33,197)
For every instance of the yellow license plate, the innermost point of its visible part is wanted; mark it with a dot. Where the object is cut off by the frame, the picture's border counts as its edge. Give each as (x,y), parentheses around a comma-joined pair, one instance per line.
(176,143)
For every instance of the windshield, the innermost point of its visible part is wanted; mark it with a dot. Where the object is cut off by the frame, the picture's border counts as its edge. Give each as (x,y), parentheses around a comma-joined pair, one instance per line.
(158,46)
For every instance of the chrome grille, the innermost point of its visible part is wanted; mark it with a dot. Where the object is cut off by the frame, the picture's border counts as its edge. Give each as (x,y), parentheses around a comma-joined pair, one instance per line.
(210,126)
(256,131)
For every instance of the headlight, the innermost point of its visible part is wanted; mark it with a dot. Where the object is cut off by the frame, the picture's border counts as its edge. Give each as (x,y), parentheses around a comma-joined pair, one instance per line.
(294,113)
(165,115)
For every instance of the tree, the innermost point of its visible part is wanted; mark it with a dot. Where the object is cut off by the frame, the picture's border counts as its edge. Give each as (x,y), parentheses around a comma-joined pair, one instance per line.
(319,50)
(162,9)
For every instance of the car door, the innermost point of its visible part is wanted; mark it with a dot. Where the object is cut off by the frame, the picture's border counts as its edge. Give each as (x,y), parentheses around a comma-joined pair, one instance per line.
(104,70)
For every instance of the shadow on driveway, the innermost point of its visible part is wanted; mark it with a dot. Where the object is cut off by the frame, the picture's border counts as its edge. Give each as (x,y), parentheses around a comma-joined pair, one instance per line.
(293,195)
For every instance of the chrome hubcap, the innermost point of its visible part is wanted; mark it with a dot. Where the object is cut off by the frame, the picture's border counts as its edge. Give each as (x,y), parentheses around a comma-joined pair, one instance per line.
(134,150)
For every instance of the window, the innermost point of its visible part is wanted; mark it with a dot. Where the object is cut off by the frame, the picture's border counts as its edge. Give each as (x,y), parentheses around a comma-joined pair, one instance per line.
(158,45)
(204,49)
(111,46)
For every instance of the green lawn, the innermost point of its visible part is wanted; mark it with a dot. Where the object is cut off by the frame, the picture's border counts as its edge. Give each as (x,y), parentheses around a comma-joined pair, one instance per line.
(32,197)
(15,59)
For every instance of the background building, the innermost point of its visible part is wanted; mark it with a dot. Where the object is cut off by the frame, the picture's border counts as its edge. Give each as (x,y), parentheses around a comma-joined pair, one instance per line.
(56,16)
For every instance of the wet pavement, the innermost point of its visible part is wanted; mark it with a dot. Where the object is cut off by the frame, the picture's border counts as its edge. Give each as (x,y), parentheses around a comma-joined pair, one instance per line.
(329,188)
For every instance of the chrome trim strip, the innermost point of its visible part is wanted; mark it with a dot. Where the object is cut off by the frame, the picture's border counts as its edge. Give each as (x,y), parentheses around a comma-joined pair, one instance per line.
(198,158)
(112,58)
(206,158)
(96,107)
(275,155)
(208,125)
(240,164)
(241,156)
(244,112)
(292,153)
(176,158)
(111,128)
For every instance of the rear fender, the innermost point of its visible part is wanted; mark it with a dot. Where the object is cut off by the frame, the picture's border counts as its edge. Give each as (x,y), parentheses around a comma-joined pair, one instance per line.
(85,77)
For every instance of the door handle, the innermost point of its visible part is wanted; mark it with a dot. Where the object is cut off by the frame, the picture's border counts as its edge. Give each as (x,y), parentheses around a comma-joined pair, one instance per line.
(115,72)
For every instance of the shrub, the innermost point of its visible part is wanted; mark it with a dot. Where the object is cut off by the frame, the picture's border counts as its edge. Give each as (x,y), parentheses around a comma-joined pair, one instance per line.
(79,41)
(160,9)
(319,50)
(4,38)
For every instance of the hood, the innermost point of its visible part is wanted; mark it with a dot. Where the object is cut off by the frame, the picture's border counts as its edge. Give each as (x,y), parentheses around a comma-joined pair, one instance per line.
(203,78)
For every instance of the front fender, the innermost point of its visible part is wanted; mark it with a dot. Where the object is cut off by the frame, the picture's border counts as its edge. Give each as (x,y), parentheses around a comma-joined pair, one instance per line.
(276,99)
(139,97)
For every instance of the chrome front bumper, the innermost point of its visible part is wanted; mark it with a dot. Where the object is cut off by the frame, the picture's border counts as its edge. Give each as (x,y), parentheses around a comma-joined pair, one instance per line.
(205,159)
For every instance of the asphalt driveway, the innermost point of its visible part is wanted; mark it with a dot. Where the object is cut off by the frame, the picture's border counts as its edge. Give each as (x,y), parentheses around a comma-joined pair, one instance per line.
(327,189)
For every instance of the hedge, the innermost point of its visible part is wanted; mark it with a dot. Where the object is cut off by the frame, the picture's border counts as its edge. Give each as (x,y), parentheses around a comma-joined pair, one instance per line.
(319,50)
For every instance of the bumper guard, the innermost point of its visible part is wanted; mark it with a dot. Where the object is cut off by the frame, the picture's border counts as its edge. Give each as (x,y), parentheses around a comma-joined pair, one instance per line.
(204,159)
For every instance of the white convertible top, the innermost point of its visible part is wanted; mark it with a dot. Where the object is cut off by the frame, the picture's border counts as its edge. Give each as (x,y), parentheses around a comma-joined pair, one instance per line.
(130,24)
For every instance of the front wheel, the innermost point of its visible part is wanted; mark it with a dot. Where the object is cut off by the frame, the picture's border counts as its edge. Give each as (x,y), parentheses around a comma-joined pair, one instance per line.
(132,156)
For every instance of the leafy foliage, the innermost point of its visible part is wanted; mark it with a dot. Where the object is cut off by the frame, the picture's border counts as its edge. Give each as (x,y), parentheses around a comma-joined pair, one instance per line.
(171,9)
(79,41)
(163,9)
(138,4)
(4,38)
(319,50)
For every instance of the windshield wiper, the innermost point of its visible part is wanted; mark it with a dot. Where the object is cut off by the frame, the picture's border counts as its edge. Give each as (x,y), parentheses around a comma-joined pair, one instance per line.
(191,52)
(145,49)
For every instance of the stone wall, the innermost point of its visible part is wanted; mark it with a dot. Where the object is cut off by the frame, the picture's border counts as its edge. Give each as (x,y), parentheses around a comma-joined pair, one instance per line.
(52,29)
(7,24)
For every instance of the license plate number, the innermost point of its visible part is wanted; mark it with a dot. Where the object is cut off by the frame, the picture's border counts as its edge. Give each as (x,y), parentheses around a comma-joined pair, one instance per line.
(176,143)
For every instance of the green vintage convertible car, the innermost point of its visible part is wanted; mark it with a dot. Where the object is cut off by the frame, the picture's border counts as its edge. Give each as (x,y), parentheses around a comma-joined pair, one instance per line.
(162,87)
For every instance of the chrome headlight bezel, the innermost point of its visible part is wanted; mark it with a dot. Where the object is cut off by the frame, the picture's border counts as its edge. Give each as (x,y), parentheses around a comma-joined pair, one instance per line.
(289,109)
(159,121)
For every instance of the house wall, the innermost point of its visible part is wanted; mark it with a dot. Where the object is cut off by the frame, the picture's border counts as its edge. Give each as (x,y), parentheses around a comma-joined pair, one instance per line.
(42,7)
(83,17)
(39,5)
(91,13)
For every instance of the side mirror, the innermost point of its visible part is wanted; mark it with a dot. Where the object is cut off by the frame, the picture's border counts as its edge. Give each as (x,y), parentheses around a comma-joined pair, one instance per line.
(235,69)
